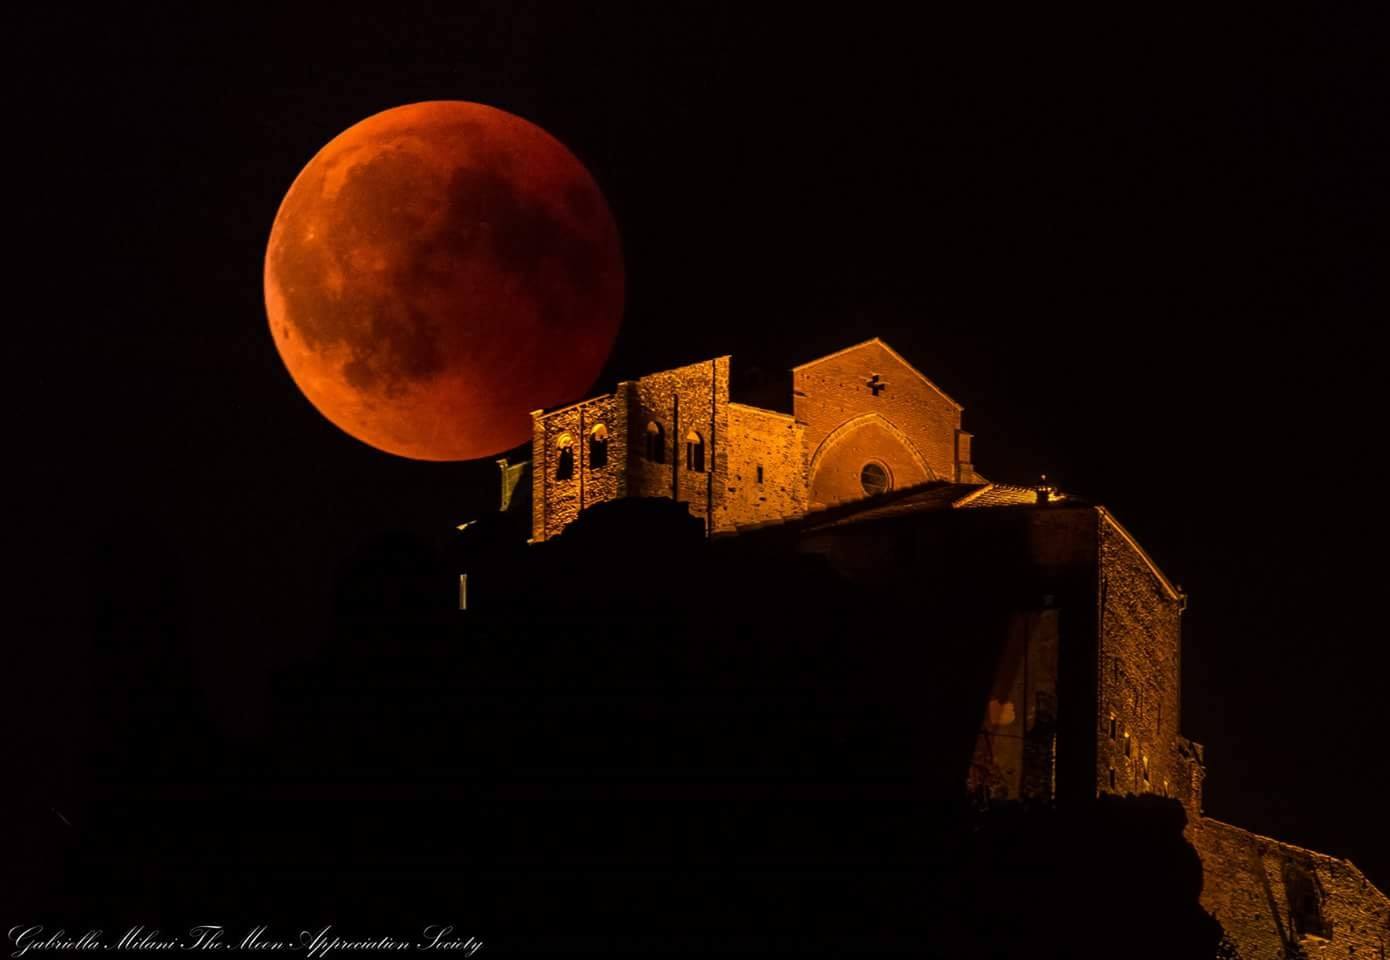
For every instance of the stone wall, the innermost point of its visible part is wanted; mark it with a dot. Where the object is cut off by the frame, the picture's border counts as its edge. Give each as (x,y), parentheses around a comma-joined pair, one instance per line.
(690,398)
(869,387)
(837,469)
(965,465)
(861,405)
(1092,616)
(1279,902)
(767,468)
(1139,688)
(561,490)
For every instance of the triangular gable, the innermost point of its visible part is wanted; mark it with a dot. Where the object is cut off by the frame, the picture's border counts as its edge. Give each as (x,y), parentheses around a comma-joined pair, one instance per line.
(892,353)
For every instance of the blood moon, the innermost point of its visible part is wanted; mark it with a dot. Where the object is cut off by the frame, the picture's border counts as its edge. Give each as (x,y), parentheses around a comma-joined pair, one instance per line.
(437,272)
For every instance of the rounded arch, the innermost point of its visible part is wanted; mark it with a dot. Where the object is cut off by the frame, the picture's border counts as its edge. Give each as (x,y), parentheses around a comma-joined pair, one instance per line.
(564,456)
(834,474)
(598,447)
(655,441)
(695,451)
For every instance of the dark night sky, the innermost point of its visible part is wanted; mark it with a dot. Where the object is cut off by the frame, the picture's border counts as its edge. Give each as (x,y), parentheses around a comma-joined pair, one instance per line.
(1146,254)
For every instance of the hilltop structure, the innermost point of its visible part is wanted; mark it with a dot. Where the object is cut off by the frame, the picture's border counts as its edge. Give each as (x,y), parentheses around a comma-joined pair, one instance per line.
(872,472)
(863,421)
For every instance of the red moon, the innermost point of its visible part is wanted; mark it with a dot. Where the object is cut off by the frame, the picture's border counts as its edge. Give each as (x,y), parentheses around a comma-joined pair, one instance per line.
(437,272)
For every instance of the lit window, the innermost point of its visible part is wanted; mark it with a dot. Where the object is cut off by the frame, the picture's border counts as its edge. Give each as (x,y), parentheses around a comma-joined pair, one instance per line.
(656,442)
(694,452)
(874,478)
(1128,745)
(1146,768)
(564,461)
(598,447)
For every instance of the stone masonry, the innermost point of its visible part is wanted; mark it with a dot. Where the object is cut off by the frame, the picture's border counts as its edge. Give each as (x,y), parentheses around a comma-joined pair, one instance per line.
(872,438)
(676,434)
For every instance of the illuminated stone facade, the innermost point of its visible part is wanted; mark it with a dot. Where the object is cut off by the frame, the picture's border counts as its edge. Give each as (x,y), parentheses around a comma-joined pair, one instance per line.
(872,466)
(1275,900)
(863,421)
(866,405)
(1138,673)
(1280,901)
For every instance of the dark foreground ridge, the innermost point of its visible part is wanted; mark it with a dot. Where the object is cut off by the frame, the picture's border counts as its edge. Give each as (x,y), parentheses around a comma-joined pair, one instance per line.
(727,743)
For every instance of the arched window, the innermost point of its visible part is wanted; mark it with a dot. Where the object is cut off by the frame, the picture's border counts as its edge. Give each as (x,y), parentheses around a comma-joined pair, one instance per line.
(874,478)
(656,442)
(1305,896)
(694,452)
(598,447)
(564,461)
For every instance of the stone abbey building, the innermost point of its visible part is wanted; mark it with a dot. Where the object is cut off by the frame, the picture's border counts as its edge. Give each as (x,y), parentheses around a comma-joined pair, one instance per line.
(872,471)
(862,419)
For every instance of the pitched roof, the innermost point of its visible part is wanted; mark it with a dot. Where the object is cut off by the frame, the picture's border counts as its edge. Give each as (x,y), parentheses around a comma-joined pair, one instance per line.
(892,353)
(1007,495)
(934,495)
